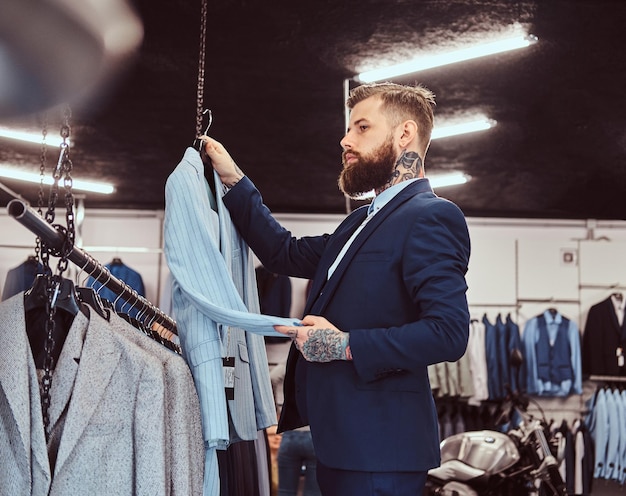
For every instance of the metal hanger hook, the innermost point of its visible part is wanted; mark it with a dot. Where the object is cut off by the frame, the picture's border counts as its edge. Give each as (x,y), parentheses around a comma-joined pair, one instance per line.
(209,115)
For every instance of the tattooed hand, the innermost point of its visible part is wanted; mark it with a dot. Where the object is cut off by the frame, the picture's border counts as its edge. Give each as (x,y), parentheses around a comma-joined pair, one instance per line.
(318,340)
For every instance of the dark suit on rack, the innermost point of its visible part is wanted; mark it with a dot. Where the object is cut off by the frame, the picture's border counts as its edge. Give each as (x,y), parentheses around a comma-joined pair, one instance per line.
(403,303)
(21,278)
(602,337)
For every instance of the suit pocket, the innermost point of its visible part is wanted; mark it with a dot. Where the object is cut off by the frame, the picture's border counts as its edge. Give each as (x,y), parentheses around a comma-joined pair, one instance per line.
(101,429)
(205,351)
(396,380)
(372,256)
(243,352)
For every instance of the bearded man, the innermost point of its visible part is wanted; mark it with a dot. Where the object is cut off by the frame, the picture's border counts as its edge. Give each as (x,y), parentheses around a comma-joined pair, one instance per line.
(388,298)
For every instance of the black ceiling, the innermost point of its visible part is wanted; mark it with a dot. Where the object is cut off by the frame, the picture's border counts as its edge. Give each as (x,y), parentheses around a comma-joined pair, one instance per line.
(274,82)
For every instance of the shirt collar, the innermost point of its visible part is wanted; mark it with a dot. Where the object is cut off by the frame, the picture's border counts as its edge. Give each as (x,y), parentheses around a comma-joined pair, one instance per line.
(550,319)
(386,196)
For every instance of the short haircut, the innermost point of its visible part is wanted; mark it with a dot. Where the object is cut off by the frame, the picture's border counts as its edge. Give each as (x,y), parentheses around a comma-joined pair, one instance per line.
(401,103)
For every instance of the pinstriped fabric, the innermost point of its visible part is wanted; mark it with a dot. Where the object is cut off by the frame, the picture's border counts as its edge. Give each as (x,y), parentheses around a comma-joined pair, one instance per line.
(214,298)
(244,279)
(193,253)
(211,474)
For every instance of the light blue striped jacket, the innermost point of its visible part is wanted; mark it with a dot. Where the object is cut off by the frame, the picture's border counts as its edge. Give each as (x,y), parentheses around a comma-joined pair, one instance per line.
(214,297)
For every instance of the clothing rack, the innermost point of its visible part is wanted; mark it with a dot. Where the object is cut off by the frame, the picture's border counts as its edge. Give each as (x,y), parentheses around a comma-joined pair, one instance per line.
(30,219)
(616,285)
(607,378)
(549,300)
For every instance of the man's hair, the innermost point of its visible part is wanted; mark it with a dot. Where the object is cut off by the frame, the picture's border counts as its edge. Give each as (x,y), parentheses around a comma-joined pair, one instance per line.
(401,103)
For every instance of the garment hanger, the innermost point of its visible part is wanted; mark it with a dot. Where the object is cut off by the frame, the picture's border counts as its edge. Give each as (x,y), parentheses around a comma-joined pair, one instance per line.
(91,298)
(197,142)
(64,295)
(105,303)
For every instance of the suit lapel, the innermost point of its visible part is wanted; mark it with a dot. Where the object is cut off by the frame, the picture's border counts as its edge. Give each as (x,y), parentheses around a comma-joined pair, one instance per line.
(335,244)
(331,285)
(66,369)
(19,381)
(98,360)
(615,322)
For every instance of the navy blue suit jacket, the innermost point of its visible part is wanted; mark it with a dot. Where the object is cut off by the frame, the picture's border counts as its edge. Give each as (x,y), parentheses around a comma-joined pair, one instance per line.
(400,293)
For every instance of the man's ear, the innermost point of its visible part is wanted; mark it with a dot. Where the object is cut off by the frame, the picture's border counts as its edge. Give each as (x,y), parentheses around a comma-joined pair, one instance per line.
(409,133)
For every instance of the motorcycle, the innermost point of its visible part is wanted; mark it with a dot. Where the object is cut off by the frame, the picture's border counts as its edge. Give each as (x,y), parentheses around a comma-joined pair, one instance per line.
(523,461)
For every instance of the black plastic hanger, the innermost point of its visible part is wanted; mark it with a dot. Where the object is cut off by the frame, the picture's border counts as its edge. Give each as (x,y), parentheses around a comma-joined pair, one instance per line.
(91,298)
(64,295)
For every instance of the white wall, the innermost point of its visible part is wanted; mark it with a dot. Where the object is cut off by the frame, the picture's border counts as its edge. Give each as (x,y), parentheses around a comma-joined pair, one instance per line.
(518,266)
(133,236)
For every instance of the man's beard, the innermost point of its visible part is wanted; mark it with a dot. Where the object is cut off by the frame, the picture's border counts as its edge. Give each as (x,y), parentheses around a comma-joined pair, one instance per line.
(368,172)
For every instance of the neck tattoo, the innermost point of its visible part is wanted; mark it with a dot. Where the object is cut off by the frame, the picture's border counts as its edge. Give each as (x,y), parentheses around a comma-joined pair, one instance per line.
(408,166)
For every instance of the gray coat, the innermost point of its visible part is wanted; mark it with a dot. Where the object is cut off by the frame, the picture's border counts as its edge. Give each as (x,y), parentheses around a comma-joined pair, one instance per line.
(107,393)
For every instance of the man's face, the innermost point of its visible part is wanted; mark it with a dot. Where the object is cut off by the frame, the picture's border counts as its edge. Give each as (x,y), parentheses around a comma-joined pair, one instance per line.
(370,153)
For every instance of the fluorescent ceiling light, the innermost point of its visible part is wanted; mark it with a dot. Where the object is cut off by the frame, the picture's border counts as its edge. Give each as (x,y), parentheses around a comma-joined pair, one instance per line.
(93,187)
(30,137)
(430,61)
(450,179)
(447,130)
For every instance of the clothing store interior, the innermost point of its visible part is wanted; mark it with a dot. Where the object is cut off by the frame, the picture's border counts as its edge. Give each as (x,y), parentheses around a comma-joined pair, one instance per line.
(99,101)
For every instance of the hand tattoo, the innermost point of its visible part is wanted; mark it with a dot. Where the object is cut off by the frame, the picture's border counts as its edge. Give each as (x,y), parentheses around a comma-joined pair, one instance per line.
(325,345)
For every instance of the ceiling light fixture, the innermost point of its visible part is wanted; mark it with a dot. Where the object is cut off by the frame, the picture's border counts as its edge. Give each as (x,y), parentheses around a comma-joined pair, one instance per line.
(91,186)
(30,137)
(449,179)
(472,126)
(436,60)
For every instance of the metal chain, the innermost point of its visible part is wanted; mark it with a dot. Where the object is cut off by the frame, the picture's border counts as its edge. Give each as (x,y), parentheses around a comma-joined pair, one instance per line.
(42,174)
(201,57)
(64,166)
(48,364)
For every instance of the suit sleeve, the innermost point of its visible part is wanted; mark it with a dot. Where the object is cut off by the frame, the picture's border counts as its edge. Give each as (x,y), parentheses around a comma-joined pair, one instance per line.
(434,262)
(196,263)
(275,247)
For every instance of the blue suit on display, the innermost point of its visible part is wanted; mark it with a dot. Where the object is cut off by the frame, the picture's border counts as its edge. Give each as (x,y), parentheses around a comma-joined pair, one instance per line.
(399,291)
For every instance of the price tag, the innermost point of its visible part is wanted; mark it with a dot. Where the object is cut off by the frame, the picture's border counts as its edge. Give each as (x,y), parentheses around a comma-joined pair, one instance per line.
(228,365)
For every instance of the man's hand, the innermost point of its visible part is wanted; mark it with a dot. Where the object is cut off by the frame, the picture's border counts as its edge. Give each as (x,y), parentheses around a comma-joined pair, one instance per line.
(222,162)
(318,340)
